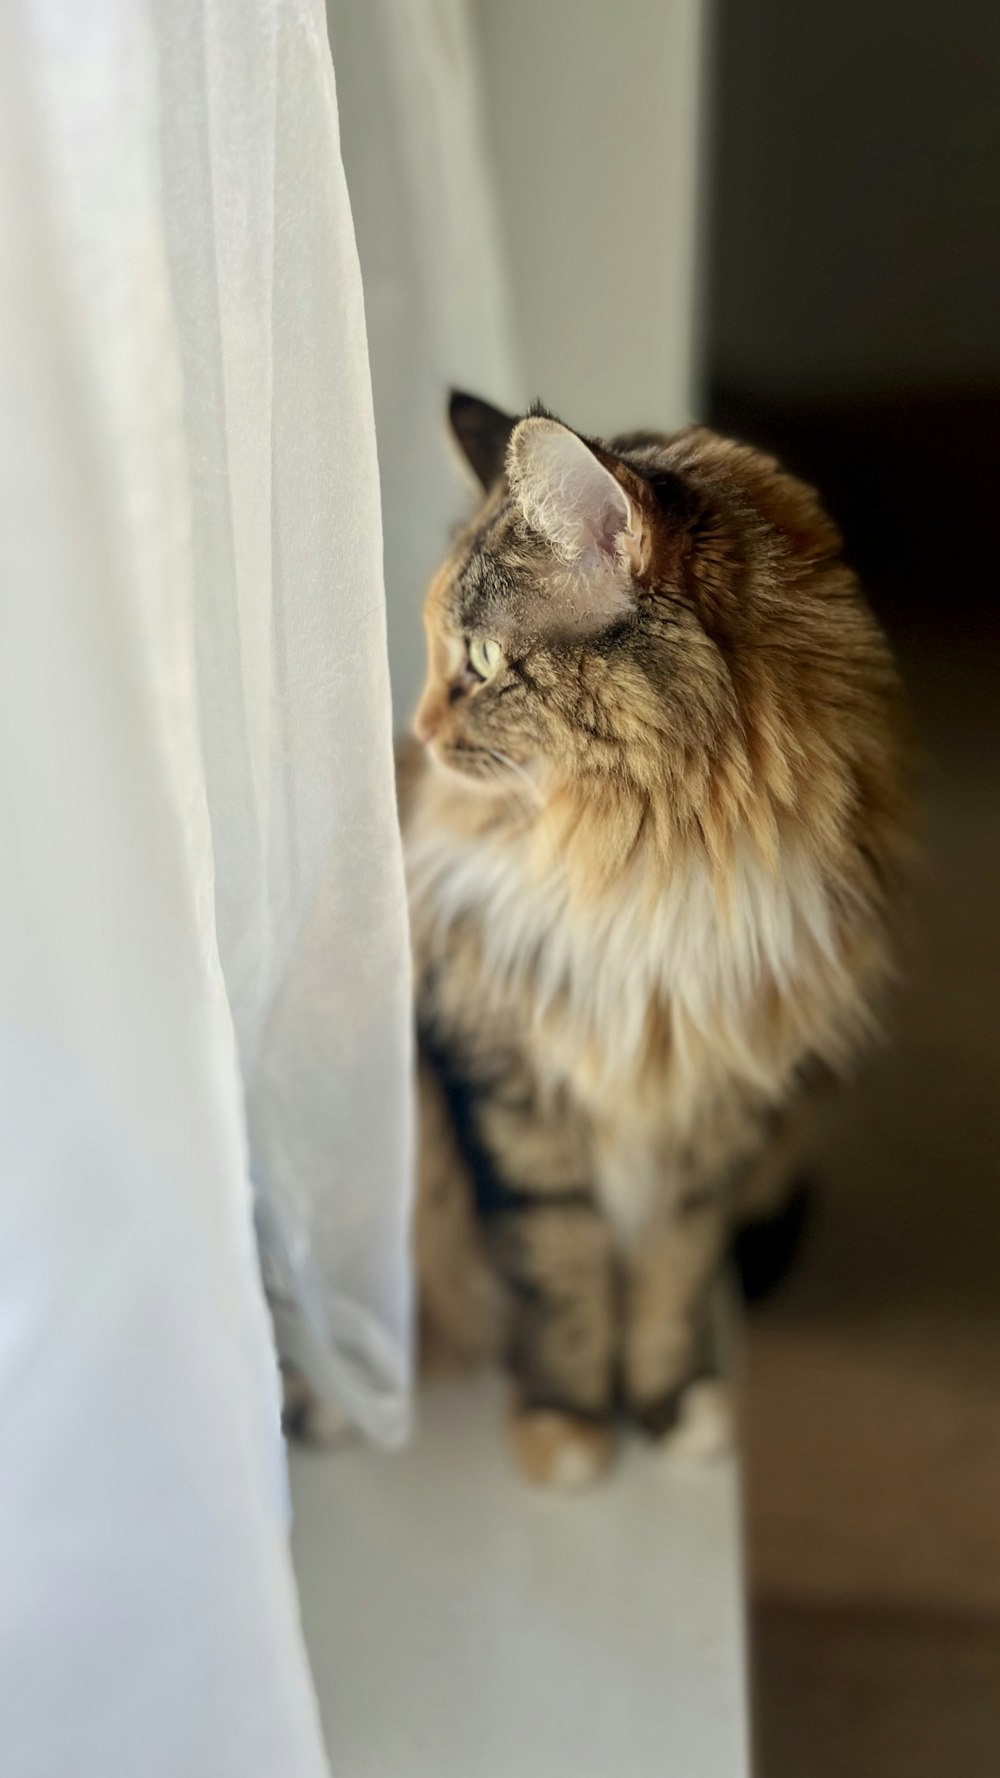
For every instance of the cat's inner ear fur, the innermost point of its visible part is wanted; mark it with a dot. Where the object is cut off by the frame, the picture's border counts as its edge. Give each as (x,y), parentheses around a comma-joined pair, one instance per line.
(572,499)
(482,433)
(593,524)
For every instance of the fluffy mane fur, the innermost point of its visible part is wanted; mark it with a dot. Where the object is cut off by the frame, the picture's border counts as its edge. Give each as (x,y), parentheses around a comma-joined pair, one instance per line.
(655,851)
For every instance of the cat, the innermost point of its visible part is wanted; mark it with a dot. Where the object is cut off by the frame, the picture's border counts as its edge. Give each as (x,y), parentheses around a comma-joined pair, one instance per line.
(656,825)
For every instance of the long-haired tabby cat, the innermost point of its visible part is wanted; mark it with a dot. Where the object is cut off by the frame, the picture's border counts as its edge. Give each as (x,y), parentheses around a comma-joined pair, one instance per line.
(654,839)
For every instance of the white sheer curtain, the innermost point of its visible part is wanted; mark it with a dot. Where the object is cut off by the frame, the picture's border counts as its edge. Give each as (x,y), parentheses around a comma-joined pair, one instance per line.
(201,902)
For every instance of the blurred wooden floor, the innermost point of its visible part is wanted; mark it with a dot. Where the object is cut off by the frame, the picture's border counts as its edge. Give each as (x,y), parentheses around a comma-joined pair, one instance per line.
(874,1380)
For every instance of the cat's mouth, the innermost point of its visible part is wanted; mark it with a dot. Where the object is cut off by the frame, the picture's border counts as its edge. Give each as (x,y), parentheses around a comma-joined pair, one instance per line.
(487,768)
(470,762)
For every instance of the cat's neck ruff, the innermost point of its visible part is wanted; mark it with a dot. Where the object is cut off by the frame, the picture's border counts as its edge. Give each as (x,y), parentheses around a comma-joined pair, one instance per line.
(652,940)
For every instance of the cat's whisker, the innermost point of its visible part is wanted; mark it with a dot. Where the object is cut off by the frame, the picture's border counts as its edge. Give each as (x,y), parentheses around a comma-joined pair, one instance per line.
(519,772)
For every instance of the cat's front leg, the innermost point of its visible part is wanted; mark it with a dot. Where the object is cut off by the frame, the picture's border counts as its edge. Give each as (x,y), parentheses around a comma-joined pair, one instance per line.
(555,1257)
(670,1357)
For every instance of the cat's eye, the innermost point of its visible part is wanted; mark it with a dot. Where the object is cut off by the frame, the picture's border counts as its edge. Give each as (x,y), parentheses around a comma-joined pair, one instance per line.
(485,656)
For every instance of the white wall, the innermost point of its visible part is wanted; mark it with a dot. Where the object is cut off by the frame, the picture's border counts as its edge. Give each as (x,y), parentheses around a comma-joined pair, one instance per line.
(594,114)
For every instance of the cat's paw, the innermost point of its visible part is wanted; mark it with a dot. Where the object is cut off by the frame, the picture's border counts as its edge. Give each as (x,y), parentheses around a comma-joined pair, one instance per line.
(307,1418)
(702,1430)
(559,1451)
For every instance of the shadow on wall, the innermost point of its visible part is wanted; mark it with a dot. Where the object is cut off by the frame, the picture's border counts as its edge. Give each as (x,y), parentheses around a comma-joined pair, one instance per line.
(853,329)
(854,271)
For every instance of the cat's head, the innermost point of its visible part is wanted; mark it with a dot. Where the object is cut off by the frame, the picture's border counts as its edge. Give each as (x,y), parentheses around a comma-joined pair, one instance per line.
(661,618)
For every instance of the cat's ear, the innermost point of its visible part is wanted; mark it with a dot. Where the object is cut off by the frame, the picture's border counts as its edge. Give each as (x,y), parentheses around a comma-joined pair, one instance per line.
(569,496)
(482,434)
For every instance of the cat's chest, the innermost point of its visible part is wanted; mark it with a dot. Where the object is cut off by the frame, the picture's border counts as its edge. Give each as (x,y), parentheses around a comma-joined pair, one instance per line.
(651,982)
(542,958)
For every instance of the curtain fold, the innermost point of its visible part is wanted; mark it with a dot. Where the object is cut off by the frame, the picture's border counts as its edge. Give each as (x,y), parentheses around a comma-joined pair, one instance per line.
(291,667)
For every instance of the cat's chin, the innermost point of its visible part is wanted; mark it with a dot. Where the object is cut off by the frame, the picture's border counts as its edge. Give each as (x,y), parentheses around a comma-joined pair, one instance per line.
(474,767)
